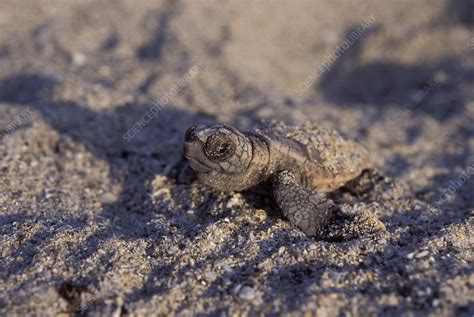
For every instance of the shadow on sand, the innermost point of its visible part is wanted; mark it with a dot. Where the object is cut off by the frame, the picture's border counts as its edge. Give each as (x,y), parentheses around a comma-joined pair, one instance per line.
(383,84)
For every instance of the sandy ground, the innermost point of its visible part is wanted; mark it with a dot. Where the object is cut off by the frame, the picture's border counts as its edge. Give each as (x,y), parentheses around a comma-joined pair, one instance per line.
(93,222)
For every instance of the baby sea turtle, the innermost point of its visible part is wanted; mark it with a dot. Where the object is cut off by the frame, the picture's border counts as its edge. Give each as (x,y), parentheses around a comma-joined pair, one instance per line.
(299,164)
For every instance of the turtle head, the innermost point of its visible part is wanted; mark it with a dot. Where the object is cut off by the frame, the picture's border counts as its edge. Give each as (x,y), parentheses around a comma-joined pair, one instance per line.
(217,152)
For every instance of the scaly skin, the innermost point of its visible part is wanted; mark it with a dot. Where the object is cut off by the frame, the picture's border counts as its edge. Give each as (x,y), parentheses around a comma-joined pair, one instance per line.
(301,164)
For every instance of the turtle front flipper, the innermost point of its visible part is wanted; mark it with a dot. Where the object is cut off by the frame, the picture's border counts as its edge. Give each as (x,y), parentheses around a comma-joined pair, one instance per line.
(315,214)
(310,211)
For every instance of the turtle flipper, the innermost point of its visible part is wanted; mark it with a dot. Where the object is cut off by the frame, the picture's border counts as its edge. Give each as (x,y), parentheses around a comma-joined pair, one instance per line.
(310,211)
(315,214)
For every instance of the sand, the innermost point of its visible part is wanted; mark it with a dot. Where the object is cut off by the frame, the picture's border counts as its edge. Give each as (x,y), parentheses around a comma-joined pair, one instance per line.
(95,97)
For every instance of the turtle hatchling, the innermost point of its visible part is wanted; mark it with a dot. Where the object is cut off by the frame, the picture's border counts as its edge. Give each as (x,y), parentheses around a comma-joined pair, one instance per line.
(300,165)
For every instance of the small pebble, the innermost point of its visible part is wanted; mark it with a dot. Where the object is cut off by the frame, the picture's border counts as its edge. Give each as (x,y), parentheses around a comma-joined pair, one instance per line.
(281,250)
(108,198)
(78,58)
(233,201)
(236,289)
(226,268)
(211,276)
(247,293)
(422,254)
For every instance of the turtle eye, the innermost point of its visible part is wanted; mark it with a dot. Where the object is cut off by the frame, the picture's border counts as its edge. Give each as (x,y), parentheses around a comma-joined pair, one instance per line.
(219,147)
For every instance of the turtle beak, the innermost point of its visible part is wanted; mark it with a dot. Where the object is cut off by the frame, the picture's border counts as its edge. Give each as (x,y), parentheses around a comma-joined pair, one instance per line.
(187,150)
(193,153)
(191,133)
(192,150)
(199,167)
(191,141)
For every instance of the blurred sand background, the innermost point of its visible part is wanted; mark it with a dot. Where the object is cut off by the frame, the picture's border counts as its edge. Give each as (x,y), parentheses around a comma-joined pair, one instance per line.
(92,224)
